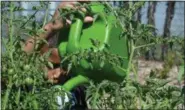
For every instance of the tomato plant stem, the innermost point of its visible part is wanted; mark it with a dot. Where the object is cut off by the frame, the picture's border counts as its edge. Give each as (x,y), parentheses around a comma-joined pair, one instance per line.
(134,71)
(132,47)
(95,98)
(131,56)
(29,19)
(35,105)
(17,99)
(33,90)
(5,99)
(45,17)
(11,30)
(146,45)
(11,24)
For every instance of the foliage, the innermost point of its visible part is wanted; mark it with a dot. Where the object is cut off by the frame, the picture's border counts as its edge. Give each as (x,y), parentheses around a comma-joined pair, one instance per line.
(92,55)
(23,75)
(155,94)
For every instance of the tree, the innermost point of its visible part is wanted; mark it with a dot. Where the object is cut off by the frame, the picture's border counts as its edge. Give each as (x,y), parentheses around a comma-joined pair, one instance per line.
(169,17)
(151,21)
(139,15)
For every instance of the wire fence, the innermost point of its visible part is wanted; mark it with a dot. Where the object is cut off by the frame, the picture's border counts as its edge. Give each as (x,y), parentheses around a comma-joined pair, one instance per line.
(177,25)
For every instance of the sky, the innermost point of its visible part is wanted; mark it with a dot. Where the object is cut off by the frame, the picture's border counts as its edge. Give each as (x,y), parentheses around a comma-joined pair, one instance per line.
(177,26)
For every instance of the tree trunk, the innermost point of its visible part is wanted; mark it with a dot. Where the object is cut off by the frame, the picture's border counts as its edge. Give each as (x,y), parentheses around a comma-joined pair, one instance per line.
(151,12)
(169,16)
(139,15)
(151,21)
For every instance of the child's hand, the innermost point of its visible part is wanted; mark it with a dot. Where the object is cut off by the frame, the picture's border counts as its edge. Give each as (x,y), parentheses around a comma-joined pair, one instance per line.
(52,27)
(56,75)
(58,23)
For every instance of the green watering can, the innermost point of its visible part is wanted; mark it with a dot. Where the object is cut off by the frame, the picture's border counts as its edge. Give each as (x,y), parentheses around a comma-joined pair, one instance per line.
(105,29)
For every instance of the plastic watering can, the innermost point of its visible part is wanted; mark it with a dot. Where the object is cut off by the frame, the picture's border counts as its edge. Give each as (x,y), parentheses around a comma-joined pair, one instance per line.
(106,29)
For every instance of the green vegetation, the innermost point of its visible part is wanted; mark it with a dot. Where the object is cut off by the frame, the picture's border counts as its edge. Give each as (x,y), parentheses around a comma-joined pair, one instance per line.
(23,80)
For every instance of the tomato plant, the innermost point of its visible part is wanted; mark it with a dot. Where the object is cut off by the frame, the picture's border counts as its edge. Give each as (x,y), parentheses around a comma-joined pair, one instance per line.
(23,80)
(24,83)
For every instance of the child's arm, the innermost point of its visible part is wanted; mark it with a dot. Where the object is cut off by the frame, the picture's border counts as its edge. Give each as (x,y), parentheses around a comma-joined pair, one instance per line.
(50,30)
(52,27)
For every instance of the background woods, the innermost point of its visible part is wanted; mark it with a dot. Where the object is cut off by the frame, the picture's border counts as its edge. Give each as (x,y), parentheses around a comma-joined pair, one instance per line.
(168,21)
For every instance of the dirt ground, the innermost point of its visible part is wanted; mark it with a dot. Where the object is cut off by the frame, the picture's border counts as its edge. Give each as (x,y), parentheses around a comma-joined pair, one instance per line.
(144,68)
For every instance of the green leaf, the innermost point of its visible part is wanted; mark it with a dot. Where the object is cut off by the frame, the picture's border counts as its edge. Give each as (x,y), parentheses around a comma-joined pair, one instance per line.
(181,73)
(71,17)
(95,17)
(69,67)
(18,8)
(40,31)
(36,7)
(102,64)
(17,99)
(50,65)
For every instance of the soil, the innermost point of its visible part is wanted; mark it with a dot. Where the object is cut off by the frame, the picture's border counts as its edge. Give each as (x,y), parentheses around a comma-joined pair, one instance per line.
(145,67)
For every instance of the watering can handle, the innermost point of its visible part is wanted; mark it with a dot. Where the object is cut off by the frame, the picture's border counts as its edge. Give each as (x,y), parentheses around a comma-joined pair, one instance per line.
(74,36)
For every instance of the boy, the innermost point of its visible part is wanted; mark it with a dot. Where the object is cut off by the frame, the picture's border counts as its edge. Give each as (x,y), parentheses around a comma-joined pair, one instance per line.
(56,75)
(50,30)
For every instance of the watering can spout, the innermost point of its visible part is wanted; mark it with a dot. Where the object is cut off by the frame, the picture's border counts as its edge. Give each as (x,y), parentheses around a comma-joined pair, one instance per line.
(74,82)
